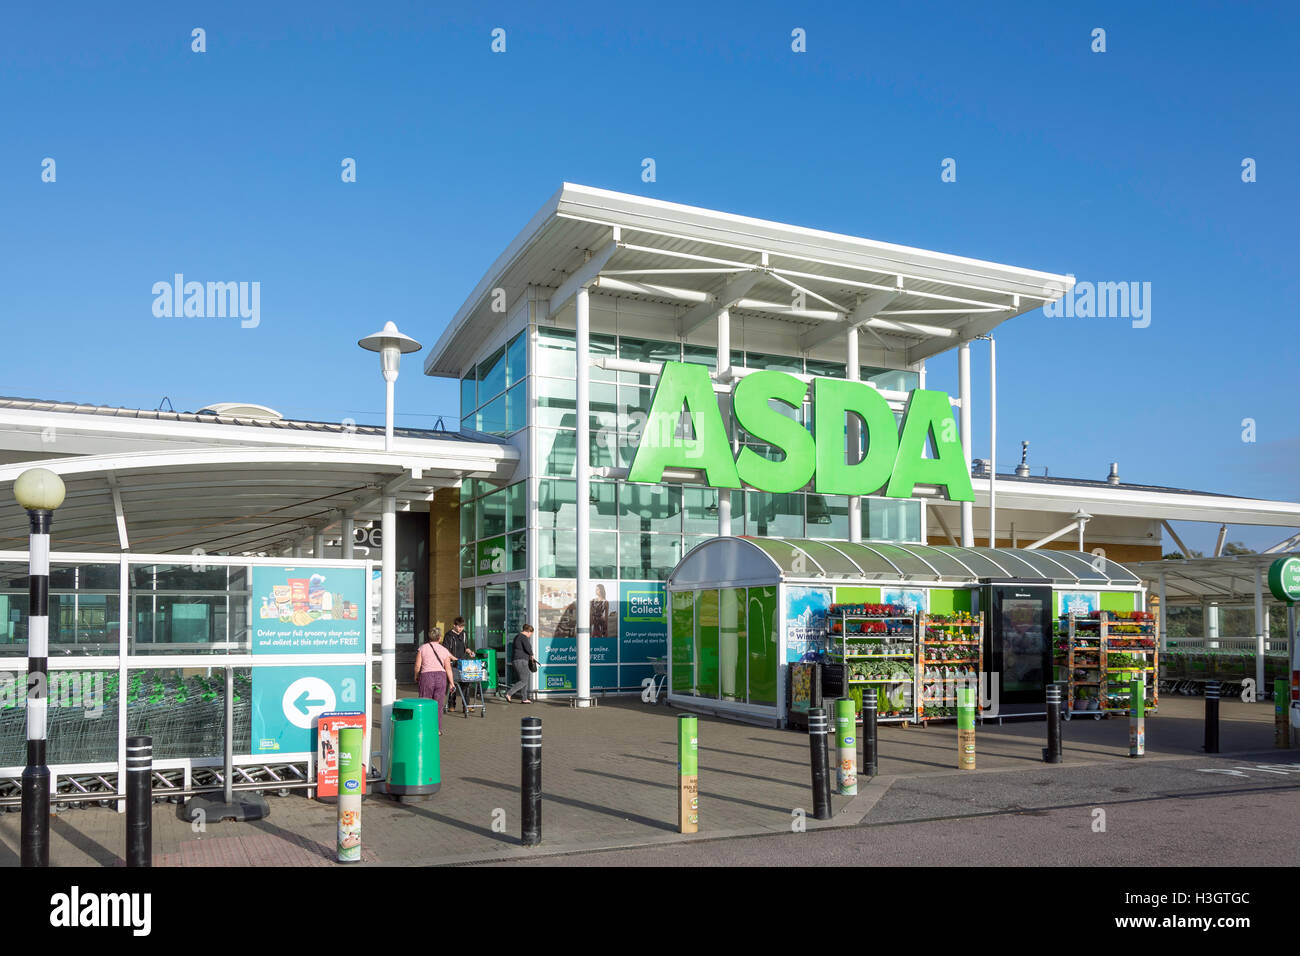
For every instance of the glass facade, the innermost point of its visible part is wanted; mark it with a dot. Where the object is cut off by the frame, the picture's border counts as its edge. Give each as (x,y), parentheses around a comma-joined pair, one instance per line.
(638,532)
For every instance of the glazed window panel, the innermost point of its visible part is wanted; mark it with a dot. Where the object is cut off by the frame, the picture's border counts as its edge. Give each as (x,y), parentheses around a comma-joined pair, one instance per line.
(557,554)
(557,403)
(683,641)
(557,452)
(706,644)
(700,509)
(516,408)
(774,516)
(648,557)
(650,507)
(733,645)
(492,417)
(645,350)
(491,513)
(555,352)
(556,505)
(517,358)
(492,375)
(762,621)
(828,516)
(468,397)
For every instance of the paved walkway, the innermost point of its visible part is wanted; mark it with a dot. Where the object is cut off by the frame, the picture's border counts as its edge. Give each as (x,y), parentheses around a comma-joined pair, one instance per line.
(609,779)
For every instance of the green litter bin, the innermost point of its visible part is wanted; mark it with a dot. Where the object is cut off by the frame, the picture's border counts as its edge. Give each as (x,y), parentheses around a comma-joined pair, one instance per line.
(489,659)
(415,769)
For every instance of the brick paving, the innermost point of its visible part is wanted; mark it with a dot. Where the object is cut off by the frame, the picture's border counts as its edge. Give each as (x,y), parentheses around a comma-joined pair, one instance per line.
(609,779)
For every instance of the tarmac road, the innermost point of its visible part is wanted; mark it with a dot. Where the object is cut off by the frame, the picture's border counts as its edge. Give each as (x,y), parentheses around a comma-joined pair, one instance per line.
(1202,811)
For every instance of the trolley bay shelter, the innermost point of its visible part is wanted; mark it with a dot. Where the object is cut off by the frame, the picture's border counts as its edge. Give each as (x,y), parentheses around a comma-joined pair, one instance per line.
(743,609)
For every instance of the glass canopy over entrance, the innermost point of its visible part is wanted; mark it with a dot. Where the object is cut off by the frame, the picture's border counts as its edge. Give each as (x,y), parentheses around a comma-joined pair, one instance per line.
(742,559)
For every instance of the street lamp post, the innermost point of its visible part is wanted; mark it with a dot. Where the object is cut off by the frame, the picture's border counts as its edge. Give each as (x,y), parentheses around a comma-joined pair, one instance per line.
(39,491)
(390,344)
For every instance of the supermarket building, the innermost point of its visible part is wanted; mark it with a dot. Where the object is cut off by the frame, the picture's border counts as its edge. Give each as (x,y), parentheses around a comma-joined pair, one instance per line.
(559,347)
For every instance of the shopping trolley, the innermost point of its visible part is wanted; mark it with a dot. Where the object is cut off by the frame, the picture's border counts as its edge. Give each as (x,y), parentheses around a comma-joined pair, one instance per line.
(658,689)
(470,675)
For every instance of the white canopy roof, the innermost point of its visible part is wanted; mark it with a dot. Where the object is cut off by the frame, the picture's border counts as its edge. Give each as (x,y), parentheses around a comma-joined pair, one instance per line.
(911,303)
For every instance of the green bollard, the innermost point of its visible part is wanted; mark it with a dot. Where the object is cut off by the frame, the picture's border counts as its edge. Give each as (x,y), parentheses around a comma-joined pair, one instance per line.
(966,728)
(688,769)
(352,772)
(1281,721)
(846,770)
(1137,720)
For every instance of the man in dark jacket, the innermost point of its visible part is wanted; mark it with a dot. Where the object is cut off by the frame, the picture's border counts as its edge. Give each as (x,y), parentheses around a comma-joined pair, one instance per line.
(522,655)
(457,641)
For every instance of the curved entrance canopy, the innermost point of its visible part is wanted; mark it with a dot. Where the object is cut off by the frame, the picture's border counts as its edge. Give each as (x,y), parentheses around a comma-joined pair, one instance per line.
(744,559)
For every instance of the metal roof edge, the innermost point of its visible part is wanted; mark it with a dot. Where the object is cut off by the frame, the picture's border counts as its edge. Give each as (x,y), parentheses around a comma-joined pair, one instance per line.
(521,241)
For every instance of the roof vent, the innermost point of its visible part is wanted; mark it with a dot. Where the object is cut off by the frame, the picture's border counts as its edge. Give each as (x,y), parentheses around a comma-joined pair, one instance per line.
(1022,469)
(258,413)
(1113,477)
(979,468)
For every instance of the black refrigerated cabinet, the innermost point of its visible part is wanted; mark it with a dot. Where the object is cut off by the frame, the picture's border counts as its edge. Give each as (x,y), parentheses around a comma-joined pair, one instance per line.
(1017,645)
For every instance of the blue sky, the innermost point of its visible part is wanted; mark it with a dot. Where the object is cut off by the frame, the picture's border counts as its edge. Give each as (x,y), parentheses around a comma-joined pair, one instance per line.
(1115,166)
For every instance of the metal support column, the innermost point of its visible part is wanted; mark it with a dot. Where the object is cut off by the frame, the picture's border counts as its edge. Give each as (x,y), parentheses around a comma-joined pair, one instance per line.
(853,373)
(963,391)
(583,599)
(724,369)
(388,621)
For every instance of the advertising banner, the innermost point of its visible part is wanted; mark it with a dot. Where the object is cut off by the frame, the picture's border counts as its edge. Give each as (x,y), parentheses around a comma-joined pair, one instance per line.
(914,601)
(491,556)
(315,610)
(557,635)
(642,629)
(1077,602)
(806,629)
(327,750)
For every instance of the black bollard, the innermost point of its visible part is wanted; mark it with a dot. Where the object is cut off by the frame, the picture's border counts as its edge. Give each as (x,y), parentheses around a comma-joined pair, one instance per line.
(1052,752)
(869,739)
(1212,717)
(821,777)
(530,739)
(139,801)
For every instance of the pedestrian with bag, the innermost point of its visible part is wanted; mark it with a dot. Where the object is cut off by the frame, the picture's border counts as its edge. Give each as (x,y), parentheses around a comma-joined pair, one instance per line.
(457,642)
(525,663)
(433,671)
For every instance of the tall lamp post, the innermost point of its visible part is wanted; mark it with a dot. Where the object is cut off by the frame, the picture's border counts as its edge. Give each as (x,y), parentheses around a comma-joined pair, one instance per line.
(390,344)
(39,491)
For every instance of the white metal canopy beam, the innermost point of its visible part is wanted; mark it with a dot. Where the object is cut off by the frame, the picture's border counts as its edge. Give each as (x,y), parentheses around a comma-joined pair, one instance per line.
(588,271)
(866,309)
(734,290)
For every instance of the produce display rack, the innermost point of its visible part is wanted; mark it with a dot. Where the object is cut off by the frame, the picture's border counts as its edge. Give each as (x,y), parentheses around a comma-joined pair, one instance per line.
(878,647)
(950,652)
(1100,653)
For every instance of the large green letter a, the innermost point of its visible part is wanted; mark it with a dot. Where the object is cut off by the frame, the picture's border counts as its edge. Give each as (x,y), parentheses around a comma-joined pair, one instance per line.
(661,447)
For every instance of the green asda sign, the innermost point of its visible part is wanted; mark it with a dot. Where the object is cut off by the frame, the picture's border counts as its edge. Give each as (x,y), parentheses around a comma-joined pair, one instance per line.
(894,457)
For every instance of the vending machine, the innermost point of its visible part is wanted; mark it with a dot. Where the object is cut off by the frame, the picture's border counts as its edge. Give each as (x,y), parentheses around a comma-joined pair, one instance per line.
(1017,645)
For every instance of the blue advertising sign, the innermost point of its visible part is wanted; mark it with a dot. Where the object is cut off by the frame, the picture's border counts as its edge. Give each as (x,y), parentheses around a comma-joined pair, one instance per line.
(642,629)
(1078,602)
(313,610)
(806,630)
(287,701)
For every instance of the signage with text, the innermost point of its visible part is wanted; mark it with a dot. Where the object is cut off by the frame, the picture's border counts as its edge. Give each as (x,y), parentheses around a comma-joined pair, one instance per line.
(894,459)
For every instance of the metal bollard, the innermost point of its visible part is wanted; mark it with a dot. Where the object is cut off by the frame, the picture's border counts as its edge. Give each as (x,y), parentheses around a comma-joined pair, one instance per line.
(139,801)
(821,778)
(530,741)
(1212,717)
(1137,718)
(870,741)
(846,770)
(688,773)
(966,705)
(1052,752)
(1281,721)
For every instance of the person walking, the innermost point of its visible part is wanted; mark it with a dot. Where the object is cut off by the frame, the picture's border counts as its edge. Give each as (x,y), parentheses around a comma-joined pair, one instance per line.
(525,663)
(457,642)
(433,666)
